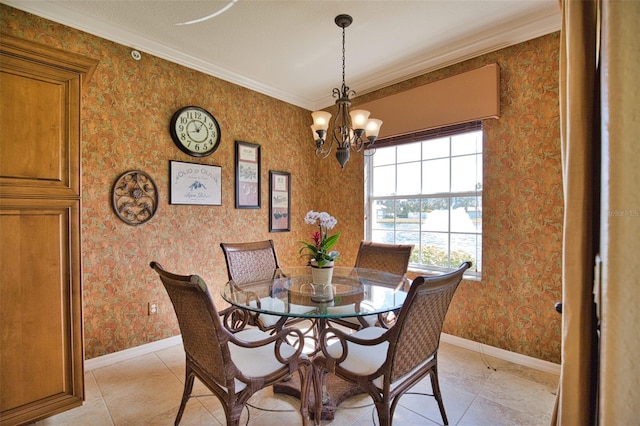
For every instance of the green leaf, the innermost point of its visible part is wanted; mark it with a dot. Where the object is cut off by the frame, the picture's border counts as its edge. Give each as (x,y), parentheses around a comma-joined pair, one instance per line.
(331,241)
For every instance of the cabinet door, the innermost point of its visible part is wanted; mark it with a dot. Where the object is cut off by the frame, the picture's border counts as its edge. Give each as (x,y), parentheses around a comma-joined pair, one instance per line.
(41,348)
(41,351)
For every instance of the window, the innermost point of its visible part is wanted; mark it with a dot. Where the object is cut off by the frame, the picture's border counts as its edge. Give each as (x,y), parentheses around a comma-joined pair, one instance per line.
(426,189)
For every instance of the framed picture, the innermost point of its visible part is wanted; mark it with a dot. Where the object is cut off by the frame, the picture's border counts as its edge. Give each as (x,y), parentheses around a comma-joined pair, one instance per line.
(247,175)
(280,205)
(192,183)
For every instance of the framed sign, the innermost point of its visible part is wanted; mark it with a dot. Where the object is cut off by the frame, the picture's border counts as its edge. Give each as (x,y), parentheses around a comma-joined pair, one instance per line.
(247,175)
(280,205)
(193,183)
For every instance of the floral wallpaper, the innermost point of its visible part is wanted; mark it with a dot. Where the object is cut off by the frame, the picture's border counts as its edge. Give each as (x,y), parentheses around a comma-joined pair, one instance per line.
(126,110)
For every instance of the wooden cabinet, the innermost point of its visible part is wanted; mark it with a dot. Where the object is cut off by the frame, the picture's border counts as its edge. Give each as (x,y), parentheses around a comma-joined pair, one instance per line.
(41,348)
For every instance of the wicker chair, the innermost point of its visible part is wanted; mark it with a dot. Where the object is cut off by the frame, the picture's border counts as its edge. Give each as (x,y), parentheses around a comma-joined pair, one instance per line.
(386,363)
(392,258)
(246,263)
(232,366)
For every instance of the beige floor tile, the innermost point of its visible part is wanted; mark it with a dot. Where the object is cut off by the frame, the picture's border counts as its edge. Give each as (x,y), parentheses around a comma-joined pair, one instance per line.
(456,401)
(195,414)
(462,369)
(174,359)
(518,393)
(93,412)
(138,389)
(91,389)
(351,410)
(486,412)
(146,390)
(285,413)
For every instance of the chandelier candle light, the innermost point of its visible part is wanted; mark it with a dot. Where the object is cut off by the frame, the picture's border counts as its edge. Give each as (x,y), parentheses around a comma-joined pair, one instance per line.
(350,128)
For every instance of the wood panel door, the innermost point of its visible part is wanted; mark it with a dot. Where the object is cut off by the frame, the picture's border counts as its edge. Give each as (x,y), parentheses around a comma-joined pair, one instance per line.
(41,348)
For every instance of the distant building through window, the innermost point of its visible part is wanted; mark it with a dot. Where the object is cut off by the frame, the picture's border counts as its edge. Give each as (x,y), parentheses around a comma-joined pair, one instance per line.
(425,189)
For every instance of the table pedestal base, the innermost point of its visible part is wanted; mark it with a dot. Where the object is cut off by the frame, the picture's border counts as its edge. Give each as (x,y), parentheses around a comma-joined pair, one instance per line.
(338,391)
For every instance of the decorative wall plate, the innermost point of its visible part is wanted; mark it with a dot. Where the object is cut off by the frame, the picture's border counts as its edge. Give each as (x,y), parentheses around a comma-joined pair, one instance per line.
(135,197)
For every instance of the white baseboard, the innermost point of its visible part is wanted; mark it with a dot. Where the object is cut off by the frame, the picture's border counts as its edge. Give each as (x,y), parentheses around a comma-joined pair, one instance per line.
(524,360)
(112,358)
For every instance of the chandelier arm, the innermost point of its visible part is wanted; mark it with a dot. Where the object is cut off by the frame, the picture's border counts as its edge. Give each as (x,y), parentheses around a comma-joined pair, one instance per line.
(357,143)
(323,149)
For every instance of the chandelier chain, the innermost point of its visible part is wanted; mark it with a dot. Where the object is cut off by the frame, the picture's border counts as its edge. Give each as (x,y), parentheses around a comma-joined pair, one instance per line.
(343,57)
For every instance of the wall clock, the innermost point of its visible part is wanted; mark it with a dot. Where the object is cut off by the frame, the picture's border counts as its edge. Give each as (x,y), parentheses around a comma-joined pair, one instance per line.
(195,131)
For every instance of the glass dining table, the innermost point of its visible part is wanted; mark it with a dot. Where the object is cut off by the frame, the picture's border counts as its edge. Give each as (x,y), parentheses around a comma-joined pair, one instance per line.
(356,295)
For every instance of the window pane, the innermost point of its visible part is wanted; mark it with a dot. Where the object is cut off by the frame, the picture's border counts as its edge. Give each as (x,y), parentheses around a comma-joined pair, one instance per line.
(382,214)
(465,247)
(464,176)
(384,180)
(386,237)
(435,148)
(435,176)
(406,237)
(408,152)
(408,215)
(476,214)
(466,143)
(434,249)
(463,214)
(435,214)
(384,156)
(479,172)
(409,178)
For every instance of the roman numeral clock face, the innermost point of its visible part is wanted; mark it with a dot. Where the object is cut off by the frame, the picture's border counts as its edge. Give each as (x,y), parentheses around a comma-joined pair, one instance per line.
(195,131)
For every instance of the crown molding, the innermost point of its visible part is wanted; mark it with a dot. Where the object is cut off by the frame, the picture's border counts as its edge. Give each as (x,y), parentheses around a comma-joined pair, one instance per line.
(527,28)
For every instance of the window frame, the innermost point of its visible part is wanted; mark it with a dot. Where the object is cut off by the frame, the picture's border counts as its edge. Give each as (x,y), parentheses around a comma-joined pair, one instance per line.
(422,136)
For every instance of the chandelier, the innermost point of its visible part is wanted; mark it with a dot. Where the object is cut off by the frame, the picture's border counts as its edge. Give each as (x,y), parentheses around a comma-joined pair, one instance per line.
(350,129)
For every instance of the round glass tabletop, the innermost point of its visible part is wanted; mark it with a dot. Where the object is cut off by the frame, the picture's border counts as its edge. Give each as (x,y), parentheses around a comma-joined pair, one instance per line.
(292,292)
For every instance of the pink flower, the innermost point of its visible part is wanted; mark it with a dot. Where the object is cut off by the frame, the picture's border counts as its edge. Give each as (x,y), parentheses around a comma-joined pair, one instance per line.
(317,238)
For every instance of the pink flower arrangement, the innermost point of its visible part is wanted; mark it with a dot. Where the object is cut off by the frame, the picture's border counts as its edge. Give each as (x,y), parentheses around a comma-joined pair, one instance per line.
(320,249)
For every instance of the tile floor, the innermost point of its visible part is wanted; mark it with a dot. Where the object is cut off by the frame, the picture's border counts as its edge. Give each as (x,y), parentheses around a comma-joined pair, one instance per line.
(477,390)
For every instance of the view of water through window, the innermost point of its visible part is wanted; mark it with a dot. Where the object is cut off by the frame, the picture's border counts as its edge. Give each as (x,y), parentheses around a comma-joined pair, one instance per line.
(442,217)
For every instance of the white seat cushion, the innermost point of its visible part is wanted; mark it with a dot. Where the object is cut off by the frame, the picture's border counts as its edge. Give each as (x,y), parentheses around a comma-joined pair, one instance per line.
(277,305)
(271,304)
(350,309)
(342,310)
(362,359)
(256,362)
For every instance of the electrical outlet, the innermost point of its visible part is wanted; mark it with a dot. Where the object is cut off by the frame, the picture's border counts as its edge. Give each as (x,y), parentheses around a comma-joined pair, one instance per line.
(152,308)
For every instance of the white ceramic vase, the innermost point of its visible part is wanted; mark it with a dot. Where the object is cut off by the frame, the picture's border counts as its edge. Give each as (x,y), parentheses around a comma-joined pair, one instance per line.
(321,275)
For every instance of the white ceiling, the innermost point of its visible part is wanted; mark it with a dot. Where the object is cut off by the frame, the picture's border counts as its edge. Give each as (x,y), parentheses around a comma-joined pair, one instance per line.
(291,50)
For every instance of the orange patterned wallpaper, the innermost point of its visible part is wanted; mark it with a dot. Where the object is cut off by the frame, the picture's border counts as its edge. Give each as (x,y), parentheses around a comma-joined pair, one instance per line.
(126,110)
